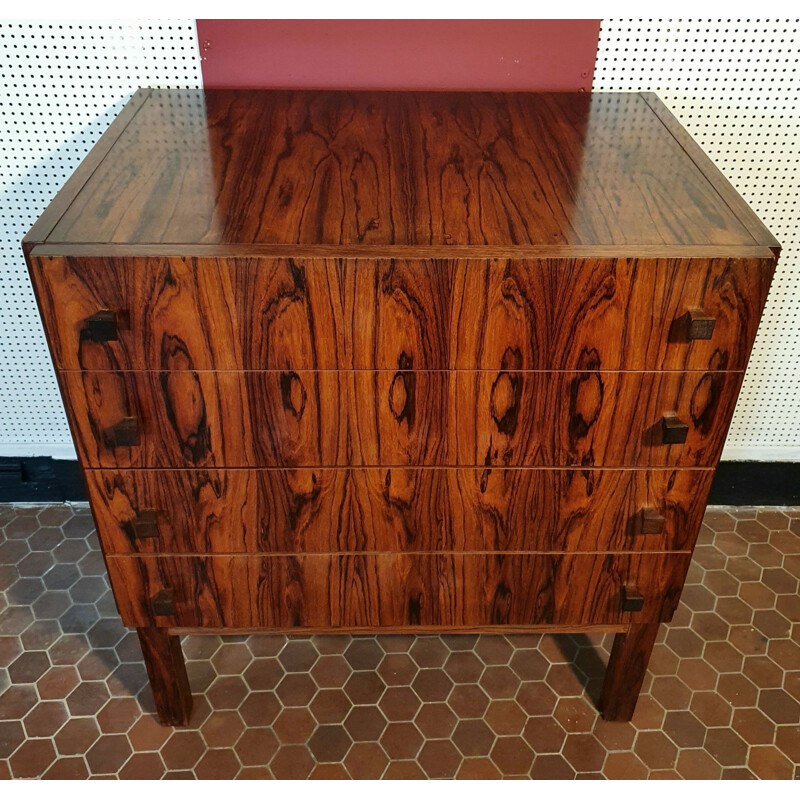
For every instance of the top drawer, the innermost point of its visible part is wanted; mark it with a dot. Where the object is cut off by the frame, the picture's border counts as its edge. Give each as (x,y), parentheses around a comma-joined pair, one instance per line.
(283,313)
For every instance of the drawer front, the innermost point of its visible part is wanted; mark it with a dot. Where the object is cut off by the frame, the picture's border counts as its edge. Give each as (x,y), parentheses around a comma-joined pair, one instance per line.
(394,589)
(412,509)
(238,419)
(266,313)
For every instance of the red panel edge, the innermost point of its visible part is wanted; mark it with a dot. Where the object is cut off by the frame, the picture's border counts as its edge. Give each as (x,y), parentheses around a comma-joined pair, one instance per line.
(488,55)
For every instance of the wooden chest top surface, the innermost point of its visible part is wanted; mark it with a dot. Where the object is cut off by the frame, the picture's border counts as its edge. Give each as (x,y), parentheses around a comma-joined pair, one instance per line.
(361,171)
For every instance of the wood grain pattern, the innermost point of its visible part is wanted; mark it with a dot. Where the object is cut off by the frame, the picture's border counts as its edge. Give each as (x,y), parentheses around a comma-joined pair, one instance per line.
(626,671)
(736,203)
(375,590)
(226,166)
(196,419)
(380,251)
(341,510)
(261,313)
(166,671)
(44,225)
(591,418)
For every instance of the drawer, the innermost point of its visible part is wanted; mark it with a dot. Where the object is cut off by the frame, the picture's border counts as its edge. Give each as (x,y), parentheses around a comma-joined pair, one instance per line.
(394,589)
(412,509)
(379,418)
(268,313)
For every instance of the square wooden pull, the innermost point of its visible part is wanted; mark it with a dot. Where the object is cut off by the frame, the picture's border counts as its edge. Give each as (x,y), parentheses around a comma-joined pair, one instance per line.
(145,525)
(162,603)
(632,599)
(673,431)
(652,521)
(125,433)
(102,326)
(698,324)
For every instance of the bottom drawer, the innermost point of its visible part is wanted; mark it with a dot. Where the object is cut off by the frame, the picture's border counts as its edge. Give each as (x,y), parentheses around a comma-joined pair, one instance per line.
(395,590)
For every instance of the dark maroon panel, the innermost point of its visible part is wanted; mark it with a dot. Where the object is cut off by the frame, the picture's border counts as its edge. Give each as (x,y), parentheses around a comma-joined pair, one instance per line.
(532,54)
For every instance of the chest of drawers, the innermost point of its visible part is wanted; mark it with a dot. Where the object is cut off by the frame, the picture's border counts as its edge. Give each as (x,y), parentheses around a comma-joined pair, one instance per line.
(398,362)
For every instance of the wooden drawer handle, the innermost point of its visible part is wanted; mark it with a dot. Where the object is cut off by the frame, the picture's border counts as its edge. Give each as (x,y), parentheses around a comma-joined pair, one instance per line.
(102,326)
(632,599)
(145,525)
(698,324)
(673,431)
(162,603)
(648,521)
(125,433)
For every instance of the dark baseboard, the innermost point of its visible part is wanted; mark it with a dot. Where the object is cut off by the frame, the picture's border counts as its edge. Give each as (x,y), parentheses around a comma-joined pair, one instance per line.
(756,483)
(40,480)
(737,483)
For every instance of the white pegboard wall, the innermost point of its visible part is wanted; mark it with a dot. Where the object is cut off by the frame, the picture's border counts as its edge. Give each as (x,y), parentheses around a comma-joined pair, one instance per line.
(61,84)
(735,85)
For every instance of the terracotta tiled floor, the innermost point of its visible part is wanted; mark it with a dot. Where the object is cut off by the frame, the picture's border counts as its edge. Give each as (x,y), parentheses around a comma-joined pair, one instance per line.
(722,696)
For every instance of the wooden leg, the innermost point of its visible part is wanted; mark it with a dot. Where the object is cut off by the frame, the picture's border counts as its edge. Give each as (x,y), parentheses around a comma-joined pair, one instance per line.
(626,669)
(166,669)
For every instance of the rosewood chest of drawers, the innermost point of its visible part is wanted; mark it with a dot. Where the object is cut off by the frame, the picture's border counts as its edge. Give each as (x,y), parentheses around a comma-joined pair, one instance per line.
(398,362)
